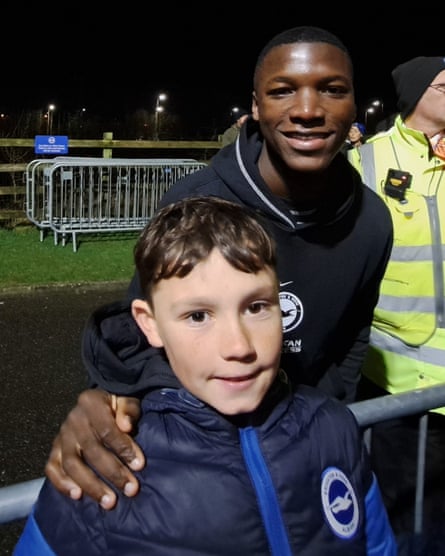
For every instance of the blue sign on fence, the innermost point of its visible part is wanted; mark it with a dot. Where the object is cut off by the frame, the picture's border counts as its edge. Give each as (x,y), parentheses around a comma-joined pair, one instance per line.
(51,144)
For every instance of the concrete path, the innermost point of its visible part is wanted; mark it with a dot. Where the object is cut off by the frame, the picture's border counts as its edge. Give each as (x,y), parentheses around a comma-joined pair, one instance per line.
(41,376)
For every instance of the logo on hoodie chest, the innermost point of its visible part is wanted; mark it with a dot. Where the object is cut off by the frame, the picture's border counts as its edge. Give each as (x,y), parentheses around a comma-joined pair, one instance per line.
(291,310)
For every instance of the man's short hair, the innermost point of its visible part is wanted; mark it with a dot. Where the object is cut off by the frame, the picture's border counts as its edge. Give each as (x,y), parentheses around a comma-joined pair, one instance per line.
(303,33)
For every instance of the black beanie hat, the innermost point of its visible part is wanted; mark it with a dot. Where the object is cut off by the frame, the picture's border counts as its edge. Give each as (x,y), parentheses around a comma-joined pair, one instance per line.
(412,78)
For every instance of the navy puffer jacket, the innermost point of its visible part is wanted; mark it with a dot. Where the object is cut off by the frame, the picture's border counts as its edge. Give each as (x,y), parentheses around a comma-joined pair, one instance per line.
(295,480)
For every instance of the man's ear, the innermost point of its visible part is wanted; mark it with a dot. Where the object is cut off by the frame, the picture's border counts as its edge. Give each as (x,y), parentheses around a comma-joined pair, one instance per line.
(143,315)
(254,107)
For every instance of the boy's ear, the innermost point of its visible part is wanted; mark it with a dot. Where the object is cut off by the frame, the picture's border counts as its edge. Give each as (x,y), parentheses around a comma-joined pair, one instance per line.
(146,321)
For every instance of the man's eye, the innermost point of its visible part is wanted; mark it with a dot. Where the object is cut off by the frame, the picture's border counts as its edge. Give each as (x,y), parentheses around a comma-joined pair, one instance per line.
(280,91)
(336,90)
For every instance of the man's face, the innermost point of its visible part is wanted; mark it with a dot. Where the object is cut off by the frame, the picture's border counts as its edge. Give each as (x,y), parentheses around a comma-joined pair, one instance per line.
(304,102)
(221,329)
(429,113)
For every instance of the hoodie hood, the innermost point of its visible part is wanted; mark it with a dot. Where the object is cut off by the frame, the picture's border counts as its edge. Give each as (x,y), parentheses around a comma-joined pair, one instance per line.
(115,353)
(240,174)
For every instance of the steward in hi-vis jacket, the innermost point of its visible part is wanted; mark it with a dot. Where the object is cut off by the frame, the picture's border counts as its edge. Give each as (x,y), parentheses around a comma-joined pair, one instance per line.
(407,348)
(405,165)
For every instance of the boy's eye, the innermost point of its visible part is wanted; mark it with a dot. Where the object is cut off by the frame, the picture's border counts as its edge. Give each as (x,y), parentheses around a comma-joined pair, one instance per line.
(257,307)
(197,316)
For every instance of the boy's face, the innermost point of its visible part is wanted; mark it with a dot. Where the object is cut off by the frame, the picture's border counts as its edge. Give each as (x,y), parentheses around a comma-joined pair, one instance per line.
(304,102)
(221,330)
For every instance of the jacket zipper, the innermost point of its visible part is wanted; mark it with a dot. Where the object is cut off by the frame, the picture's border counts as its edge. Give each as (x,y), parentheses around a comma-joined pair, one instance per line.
(265,491)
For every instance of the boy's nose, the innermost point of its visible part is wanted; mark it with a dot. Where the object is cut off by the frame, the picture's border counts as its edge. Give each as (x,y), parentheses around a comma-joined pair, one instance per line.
(235,341)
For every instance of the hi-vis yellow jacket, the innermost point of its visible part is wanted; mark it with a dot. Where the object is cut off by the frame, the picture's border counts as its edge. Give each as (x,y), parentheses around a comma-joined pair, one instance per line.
(407,346)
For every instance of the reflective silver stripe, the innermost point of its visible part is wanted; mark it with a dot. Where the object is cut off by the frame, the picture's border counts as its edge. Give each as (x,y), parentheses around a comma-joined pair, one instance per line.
(367,162)
(438,262)
(425,354)
(420,253)
(405,304)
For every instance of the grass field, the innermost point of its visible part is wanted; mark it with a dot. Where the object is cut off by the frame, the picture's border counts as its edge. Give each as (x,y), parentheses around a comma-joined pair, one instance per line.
(27,261)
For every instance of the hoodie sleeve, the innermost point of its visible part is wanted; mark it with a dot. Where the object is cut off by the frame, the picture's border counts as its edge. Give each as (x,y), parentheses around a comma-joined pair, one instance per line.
(118,357)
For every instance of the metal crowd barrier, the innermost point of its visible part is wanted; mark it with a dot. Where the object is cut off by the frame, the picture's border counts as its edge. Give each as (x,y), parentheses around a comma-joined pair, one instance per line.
(72,195)
(16,501)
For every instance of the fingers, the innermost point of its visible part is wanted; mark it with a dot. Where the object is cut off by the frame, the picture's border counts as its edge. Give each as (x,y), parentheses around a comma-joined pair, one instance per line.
(57,476)
(128,412)
(123,416)
(65,484)
(91,435)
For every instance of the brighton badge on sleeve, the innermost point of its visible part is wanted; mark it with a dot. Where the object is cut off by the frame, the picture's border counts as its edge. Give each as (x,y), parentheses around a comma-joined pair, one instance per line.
(339,502)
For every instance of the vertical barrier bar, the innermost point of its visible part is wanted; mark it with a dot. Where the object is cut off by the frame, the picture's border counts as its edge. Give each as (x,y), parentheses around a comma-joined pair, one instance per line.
(420,476)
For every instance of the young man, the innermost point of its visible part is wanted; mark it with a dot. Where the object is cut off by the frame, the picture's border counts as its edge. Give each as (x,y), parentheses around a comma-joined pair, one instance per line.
(238,463)
(405,166)
(334,238)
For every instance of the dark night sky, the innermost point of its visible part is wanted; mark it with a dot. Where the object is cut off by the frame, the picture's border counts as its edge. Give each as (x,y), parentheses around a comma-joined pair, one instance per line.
(201,54)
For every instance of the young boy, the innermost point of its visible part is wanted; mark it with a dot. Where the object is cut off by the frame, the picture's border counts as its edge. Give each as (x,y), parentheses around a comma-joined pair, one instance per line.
(238,464)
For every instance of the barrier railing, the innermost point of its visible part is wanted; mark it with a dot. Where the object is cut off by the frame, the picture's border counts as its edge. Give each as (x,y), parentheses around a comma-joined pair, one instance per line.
(16,501)
(72,195)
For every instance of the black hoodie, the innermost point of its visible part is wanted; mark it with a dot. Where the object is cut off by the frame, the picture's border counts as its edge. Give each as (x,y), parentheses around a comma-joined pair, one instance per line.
(330,267)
